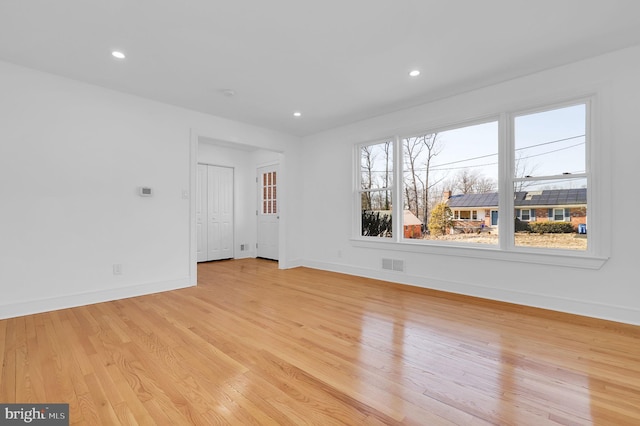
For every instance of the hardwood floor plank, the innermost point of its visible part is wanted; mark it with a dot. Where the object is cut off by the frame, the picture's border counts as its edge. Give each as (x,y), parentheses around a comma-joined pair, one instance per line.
(8,384)
(256,345)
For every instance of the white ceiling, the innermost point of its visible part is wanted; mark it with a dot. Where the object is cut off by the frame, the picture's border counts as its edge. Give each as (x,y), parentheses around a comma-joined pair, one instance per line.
(336,61)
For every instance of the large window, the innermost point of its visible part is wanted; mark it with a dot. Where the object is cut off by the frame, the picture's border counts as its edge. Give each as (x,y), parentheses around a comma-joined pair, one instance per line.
(516,183)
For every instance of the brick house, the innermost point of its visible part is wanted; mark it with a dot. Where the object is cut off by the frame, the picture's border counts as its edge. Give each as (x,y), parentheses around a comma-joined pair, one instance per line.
(473,212)
(412,225)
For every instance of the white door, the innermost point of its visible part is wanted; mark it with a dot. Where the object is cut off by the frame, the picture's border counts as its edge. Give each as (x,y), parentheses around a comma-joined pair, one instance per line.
(214,213)
(268,212)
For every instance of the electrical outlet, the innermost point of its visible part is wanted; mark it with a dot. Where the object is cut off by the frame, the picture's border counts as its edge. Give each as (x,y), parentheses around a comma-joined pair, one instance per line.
(117,269)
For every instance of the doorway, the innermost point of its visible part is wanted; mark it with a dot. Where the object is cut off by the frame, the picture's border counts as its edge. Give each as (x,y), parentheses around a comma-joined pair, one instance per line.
(214,213)
(268,212)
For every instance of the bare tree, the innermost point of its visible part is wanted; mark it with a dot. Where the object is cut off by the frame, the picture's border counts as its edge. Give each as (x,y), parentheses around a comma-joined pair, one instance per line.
(472,182)
(387,177)
(465,182)
(366,168)
(412,150)
(419,152)
(485,185)
(523,169)
(430,142)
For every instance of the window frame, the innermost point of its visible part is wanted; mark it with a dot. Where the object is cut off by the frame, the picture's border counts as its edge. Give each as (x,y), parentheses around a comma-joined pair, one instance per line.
(396,225)
(596,163)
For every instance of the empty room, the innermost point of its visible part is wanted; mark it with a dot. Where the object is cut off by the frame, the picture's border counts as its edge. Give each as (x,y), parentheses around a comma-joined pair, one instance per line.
(322,213)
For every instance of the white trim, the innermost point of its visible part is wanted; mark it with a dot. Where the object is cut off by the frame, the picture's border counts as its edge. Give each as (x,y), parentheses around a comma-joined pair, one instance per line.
(553,257)
(544,301)
(193,189)
(36,306)
(397,188)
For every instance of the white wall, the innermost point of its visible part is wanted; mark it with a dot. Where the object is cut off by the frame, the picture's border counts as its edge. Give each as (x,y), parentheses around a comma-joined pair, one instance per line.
(610,292)
(71,159)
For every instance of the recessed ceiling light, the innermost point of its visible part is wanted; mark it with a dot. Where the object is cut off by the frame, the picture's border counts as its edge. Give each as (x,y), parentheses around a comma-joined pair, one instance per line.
(297,114)
(228,92)
(117,54)
(414,73)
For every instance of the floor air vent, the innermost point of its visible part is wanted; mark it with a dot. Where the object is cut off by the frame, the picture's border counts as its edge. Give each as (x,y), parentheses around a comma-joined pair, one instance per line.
(393,264)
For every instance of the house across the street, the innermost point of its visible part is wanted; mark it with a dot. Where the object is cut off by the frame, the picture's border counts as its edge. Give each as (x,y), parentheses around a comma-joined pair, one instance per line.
(473,212)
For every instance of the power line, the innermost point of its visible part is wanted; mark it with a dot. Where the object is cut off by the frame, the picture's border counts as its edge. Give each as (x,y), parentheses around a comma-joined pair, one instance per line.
(493,164)
(518,149)
(550,142)
(439,167)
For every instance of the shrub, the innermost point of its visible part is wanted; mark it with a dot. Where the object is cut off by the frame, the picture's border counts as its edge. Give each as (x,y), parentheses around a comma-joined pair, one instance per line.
(522,226)
(551,227)
(441,219)
(376,224)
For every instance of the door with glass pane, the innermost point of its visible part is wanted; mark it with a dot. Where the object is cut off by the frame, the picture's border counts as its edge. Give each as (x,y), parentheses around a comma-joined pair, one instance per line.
(268,212)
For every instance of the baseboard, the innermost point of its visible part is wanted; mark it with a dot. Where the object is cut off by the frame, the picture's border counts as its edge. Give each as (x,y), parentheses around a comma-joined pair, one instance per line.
(288,264)
(590,309)
(37,306)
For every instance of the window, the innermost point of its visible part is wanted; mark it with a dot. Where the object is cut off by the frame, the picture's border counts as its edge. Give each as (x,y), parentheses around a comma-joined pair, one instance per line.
(558,215)
(269,193)
(453,185)
(465,215)
(549,172)
(375,194)
(453,168)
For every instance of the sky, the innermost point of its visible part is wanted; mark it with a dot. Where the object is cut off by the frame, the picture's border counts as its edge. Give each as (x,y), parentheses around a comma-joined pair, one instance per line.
(547,143)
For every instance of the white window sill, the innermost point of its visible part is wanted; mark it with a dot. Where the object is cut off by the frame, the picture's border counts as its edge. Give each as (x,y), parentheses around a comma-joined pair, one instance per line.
(548,257)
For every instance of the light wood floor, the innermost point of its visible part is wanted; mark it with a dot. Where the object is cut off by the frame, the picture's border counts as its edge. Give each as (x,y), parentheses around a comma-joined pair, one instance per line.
(256,345)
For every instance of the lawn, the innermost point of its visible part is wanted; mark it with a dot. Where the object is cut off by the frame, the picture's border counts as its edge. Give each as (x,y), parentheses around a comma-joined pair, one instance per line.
(563,241)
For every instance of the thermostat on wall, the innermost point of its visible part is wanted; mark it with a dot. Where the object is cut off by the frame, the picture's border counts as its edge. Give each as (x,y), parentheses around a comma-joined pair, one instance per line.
(145,191)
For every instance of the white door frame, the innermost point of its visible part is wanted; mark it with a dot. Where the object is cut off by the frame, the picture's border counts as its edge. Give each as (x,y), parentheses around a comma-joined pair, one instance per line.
(195,136)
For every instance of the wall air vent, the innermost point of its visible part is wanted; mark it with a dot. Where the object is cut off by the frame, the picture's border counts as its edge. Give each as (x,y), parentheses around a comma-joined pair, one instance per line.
(393,265)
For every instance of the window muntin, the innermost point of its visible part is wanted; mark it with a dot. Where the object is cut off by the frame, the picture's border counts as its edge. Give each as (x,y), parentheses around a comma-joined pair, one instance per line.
(375,189)
(269,193)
